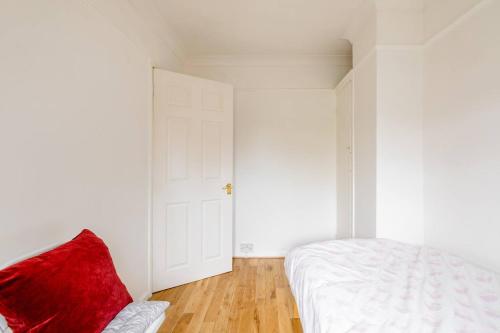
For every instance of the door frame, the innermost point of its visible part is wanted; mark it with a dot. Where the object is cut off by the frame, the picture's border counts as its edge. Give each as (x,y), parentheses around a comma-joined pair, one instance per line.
(149,212)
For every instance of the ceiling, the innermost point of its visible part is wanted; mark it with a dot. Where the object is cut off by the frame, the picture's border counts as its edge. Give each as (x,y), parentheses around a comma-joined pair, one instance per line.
(260,26)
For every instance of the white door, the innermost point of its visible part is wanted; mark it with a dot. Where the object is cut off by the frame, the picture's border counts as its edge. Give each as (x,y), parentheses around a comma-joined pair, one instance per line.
(192,163)
(344,159)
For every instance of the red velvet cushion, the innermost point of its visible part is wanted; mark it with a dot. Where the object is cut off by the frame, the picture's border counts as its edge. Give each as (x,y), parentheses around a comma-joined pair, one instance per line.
(72,288)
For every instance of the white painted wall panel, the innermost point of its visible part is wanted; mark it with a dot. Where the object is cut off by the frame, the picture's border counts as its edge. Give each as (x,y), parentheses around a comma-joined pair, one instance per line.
(461,138)
(365,147)
(284,169)
(75,105)
(399,144)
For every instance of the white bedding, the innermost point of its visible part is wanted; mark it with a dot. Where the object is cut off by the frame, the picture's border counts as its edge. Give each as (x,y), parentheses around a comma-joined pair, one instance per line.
(138,317)
(386,286)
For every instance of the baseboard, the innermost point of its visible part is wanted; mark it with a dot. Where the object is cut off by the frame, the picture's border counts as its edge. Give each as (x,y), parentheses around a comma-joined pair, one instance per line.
(261,257)
(261,254)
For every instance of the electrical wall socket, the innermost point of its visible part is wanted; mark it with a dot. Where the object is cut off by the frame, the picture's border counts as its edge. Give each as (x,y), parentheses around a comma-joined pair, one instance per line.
(246,248)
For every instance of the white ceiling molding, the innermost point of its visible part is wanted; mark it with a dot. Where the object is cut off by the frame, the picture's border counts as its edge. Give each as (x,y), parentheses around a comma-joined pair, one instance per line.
(269,60)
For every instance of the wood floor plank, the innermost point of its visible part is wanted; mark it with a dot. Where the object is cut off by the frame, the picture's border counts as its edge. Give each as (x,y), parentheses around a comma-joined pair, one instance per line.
(177,309)
(217,300)
(297,327)
(183,323)
(254,297)
(222,322)
(272,323)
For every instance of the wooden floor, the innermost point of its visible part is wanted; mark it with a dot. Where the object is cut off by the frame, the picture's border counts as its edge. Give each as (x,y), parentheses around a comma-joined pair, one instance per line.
(255,297)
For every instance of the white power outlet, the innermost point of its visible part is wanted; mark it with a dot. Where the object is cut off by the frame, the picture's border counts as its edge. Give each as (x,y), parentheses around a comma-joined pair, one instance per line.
(246,248)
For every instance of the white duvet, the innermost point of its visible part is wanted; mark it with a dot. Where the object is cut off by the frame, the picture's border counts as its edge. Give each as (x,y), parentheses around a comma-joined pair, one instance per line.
(386,286)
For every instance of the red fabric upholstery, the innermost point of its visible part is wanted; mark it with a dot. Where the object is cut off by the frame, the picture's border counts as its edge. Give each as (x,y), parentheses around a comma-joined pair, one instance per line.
(72,288)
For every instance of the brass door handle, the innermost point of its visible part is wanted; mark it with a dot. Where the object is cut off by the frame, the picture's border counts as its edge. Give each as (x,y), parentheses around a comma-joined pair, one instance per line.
(228,188)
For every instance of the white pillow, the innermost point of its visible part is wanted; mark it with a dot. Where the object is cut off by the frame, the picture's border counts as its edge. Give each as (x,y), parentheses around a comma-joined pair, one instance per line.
(136,317)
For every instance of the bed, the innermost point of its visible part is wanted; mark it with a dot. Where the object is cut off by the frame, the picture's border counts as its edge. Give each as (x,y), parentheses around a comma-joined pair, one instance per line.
(386,286)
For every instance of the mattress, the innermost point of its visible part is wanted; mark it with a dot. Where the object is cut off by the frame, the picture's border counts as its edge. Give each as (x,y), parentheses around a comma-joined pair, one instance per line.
(386,286)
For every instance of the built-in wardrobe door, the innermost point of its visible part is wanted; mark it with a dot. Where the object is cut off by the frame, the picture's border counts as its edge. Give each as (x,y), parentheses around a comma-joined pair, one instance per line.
(345,203)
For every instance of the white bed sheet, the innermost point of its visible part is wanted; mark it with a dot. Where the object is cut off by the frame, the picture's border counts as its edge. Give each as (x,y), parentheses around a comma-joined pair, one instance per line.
(386,286)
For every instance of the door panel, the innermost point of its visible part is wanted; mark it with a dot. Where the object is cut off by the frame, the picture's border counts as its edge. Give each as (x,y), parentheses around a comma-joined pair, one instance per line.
(212,150)
(192,162)
(177,148)
(212,227)
(177,235)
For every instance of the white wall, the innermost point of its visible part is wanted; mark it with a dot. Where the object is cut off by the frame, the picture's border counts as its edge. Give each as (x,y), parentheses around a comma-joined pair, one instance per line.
(284,146)
(284,169)
(461,137)
(434,109)
(365,147)
(387,120)
(75,106)
(399,144)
